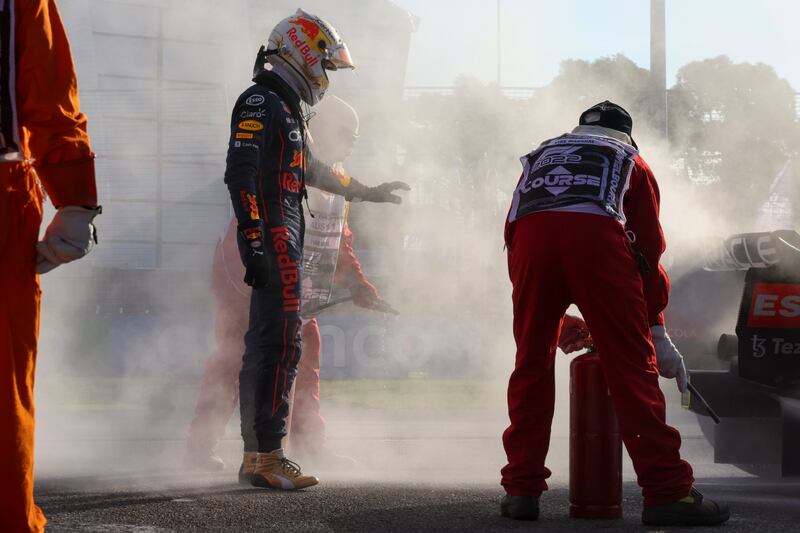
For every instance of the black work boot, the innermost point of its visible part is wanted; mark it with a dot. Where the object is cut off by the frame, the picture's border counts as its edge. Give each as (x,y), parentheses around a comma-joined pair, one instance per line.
(693,510)
(520,507)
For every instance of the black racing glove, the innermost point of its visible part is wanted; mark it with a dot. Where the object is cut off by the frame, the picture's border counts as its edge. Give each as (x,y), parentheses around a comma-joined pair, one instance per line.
(383,193)
(252,249)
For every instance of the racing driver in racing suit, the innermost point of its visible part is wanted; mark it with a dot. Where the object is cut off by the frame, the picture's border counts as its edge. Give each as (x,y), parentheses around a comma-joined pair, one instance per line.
(583,228)
(328,262)
(268,168)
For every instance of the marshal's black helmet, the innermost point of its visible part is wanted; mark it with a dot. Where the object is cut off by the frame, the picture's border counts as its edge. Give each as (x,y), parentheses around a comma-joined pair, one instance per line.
(608,115)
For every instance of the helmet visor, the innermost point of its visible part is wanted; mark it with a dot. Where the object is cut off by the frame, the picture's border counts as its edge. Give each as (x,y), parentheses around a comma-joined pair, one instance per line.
(338,56)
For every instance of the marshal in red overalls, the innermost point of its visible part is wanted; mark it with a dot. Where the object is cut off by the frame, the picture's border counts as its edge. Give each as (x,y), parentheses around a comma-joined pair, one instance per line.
(582,227)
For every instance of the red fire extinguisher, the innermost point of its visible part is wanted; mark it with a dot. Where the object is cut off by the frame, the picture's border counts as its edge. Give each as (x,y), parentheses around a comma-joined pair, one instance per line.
(595,445)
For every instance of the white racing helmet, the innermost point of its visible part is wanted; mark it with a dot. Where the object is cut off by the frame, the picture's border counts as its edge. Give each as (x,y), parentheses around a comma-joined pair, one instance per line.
(308,46)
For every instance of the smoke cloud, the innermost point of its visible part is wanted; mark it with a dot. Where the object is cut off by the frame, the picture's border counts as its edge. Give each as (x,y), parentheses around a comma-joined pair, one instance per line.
(126,332)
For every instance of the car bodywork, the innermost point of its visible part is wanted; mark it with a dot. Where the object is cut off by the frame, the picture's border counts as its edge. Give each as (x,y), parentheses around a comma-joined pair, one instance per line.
(756,393)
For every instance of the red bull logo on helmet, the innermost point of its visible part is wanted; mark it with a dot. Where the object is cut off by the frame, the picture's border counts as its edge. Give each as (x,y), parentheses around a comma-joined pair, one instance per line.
(302,46)
(308,27)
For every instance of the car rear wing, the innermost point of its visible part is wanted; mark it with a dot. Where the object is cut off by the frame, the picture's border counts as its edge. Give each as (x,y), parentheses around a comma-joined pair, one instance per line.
(744,251)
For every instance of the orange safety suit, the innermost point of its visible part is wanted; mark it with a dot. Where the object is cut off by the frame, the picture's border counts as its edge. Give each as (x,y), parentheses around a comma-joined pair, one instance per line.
(42,134)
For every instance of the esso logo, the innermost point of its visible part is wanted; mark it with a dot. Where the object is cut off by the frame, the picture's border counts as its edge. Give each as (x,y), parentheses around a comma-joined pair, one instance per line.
(775,305)
(254,100)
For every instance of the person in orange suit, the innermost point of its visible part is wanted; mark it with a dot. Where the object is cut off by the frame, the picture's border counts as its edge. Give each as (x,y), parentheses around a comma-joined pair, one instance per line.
(42,138)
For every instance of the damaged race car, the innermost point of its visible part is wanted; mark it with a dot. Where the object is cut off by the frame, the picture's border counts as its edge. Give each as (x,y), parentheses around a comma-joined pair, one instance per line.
(754,382)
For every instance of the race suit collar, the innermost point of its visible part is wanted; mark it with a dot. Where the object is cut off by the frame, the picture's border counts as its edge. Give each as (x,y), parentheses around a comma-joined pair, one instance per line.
(600,131)
(274,82)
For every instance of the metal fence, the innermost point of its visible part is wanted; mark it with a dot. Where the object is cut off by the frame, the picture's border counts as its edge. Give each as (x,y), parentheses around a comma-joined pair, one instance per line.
(797,105)
(513,93)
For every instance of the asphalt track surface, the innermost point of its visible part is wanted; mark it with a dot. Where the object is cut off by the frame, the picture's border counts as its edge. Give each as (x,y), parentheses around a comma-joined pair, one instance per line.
(224,506)
(418,472)
(424,464)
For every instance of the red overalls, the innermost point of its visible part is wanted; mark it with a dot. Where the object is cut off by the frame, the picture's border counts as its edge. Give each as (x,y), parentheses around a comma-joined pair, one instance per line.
(559,258)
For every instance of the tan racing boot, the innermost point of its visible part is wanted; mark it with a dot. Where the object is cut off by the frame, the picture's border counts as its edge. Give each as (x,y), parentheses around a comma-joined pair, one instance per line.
(247,468)
(274,471)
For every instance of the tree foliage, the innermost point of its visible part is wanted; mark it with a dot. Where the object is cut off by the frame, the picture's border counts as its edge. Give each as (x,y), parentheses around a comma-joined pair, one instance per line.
(581,84)
(733,126)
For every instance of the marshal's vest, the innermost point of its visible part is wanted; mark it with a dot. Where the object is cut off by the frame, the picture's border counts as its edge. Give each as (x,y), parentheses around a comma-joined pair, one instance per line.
(9,133)
(323,236)
(573,169)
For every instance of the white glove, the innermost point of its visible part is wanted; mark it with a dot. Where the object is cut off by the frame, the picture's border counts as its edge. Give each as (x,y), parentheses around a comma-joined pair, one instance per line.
(669,359)
(70,236)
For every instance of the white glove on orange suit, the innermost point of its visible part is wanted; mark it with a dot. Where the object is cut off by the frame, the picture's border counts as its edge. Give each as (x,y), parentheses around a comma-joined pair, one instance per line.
(669,359)
(70,236)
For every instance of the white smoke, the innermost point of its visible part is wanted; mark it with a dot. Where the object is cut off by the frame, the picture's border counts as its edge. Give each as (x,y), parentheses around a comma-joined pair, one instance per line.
(125,332)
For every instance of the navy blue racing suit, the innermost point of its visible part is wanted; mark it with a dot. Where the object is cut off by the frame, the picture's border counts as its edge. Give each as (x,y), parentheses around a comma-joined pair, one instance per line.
(268,165)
